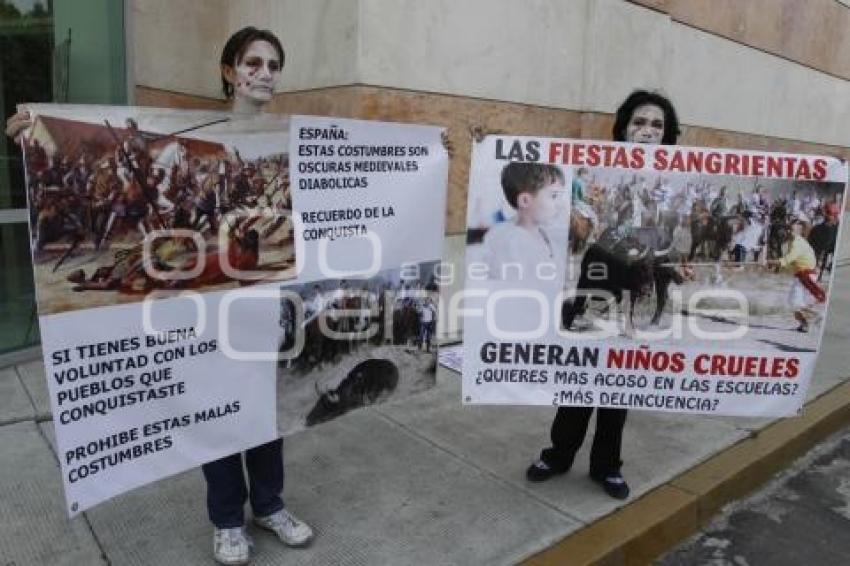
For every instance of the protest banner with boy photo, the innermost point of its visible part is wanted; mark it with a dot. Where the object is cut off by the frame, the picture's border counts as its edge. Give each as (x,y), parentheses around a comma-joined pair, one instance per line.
(647,277)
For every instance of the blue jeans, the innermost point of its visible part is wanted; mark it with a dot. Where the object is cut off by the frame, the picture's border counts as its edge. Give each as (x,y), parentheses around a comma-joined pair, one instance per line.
(426,331)
(227,492)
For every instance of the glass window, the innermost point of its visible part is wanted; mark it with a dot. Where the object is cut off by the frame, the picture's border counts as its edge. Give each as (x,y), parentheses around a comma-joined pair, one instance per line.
(18,322)
(26,69)
(50,51)
(26,74)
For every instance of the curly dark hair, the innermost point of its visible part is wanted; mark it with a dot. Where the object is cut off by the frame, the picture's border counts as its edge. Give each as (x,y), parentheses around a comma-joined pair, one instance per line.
(639,98)
(236,46)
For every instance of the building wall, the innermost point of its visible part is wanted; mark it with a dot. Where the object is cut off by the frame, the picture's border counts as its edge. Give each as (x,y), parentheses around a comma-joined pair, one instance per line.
(769,74)
(176,44)
(531,52)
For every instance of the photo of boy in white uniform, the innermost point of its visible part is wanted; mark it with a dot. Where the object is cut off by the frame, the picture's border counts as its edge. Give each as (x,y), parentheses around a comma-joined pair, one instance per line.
(522,249)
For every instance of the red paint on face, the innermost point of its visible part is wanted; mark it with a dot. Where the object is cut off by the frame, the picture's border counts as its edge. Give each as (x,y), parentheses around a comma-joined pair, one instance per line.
(257,72)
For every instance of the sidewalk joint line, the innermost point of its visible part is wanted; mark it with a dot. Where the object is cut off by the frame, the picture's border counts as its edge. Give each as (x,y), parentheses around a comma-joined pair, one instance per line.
(17,420)
(26,391)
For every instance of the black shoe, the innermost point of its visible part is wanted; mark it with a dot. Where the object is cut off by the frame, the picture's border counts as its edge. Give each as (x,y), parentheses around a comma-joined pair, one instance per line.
(540,471)
(614,484)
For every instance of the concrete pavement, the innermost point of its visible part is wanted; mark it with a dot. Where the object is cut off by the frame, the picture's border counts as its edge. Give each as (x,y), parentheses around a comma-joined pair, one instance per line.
(422,481)
(801,517)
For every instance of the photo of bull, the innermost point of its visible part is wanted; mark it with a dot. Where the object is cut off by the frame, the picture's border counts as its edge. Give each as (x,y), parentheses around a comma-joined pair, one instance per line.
(364,385)
(636,265)
(823,238)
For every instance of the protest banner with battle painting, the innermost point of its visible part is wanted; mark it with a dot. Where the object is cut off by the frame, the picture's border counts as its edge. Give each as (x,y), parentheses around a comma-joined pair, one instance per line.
(207,282)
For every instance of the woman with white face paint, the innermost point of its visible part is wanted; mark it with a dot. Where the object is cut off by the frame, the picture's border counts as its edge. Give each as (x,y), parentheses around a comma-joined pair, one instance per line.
(251,64)
(644,117)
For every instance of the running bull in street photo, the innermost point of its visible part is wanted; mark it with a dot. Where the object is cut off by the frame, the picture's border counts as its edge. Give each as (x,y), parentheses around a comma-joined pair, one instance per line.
(635,266)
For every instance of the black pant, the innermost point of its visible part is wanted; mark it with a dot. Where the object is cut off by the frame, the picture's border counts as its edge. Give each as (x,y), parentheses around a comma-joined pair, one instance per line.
(226,490)
(568,432)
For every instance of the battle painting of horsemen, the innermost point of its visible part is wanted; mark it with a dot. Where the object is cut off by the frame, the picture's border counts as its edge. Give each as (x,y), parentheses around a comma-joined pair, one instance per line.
(663,256)
(350,343)
(122,205)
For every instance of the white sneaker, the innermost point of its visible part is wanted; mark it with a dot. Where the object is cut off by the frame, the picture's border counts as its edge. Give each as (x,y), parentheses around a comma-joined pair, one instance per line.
(232,546)
(289,529)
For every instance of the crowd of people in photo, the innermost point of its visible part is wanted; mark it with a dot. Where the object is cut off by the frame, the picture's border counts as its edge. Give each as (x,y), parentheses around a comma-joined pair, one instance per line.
(337,321)
(700,219)
(705,223)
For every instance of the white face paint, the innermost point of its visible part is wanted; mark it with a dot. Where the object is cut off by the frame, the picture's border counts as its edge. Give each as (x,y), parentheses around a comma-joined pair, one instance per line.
(646,125)
(255,76)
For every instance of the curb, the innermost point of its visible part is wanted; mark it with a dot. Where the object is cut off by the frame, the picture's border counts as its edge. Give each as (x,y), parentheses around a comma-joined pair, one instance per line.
(644,529)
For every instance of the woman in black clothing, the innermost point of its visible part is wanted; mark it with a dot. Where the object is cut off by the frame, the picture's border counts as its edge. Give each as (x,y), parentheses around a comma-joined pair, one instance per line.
(644,117)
